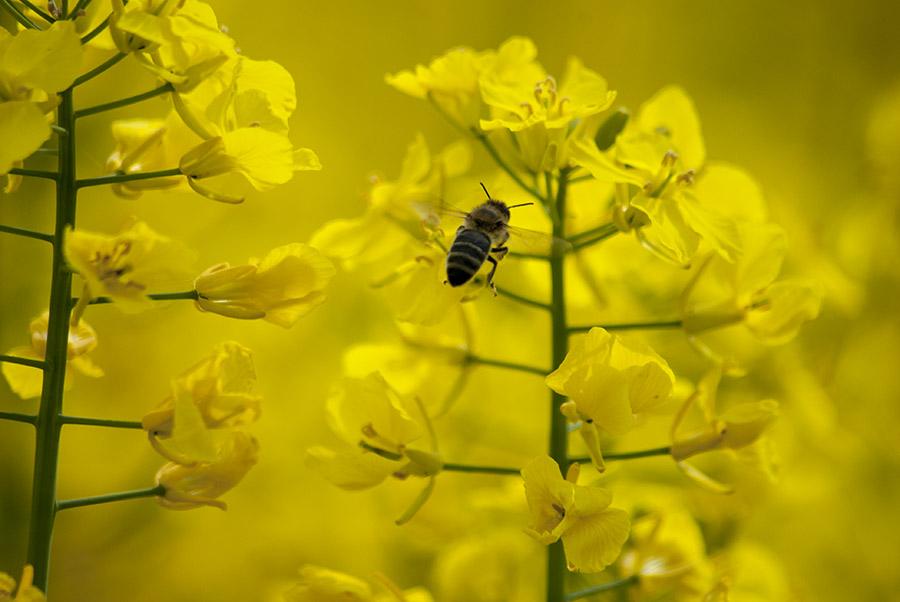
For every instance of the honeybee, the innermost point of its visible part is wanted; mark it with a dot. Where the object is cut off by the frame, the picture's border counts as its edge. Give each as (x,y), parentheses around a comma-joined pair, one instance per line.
(481,237)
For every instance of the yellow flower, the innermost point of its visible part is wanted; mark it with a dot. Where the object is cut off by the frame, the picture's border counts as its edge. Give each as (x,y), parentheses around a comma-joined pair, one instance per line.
(390,232)
(201,483)
(667,192)
(746,293)
(215,393)
(27,592)
(179,42)
(608,380)
(370,415)
(27,382)
(740,426)
(539,113)
(149,145)
(242,111)
(264,158)
(319,584)
(34,66)
(592,533)
(280,289)
(125,266)
(669,556)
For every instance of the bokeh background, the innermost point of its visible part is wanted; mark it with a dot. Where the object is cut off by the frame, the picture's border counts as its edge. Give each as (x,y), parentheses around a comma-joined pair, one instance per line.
(805,95)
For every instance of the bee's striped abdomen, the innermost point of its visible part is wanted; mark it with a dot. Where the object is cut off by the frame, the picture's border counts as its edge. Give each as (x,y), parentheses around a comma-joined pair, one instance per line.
(467,254)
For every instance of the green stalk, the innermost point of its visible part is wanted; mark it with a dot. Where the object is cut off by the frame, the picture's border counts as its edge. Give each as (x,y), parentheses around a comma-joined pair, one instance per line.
(48,425)
(26,233)
(633,455)
(127,177)
(523,300)
(98,69)
(119,424)
(16,417)
(559,436)
(124,102)
(605,587)
(34,173)
(39,12)
(95,32)
(24,361)
(159,490)
(480,469)
(474,359)
(632,326)
(19,15)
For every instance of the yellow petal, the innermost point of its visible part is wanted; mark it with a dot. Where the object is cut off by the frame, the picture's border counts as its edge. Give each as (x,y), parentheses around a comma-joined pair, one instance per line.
(25,381)
(601,394)
(592,348)
(23,130)
(789,305)
(349,471)
(672,110)
(595,541)
(48,59)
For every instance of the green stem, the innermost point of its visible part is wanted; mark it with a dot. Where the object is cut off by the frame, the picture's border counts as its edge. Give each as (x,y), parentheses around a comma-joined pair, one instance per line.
(521,255)
(39,12)
(523,300)
(592,232)
(624,582)
(34,173)
(159,490)
(82,4)
(481,469)
(163,89)
(633,326)
(123,177)
(594,240)
(474,359)
(43,497)
(120,424)
(493,152)
(95,32)
(155,296)
(99,69)
(643,453)
(27,233)
(16,417)
(18,15)
(25,361)
(559,436)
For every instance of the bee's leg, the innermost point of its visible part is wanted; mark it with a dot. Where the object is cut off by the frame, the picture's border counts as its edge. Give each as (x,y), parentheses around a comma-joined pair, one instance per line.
(501,253)
(490,278)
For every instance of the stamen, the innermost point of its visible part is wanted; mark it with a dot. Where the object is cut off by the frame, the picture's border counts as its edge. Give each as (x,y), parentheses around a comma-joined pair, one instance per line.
(669,159)
(527,107)
(686,178)
(562,103)
(369,431)
(559,510)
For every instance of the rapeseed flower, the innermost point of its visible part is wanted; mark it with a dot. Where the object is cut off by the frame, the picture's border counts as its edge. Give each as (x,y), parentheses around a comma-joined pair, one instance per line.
(746,292)
(215,393)
(34,66)
(27,591)
(27,382)
(608,380)
(668,193)
(592,532)
(285,286)
(201,483)
(127,265)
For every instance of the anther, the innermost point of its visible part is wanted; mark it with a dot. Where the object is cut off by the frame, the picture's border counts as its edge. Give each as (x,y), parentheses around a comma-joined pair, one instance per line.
(369,431)
(559,509)
(669,159)
(686,177)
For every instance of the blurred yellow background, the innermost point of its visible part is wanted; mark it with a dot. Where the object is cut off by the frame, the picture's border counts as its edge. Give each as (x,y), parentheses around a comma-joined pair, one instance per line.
(787,90)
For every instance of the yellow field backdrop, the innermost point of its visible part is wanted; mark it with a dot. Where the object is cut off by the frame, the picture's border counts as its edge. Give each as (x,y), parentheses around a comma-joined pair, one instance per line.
(806,96)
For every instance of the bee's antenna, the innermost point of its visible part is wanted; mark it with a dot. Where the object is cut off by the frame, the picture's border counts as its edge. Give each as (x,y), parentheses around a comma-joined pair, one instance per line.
(519,205)
(485,190)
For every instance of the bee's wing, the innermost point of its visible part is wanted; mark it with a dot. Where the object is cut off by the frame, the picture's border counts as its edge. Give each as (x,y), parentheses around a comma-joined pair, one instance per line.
(430,211)
(532,242)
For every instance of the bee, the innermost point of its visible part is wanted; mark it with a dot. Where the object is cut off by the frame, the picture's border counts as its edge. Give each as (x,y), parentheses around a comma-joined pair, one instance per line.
(480,238)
